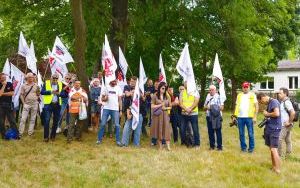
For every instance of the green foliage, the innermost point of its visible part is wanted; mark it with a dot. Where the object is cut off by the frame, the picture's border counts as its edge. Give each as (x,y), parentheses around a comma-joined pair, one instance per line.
(249,36)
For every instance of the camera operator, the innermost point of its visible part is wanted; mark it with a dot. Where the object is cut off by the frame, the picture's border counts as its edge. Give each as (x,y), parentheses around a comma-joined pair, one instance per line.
(273,127)
(287,116)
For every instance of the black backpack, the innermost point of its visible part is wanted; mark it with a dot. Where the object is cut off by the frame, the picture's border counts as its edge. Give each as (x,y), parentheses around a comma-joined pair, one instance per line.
(296,109)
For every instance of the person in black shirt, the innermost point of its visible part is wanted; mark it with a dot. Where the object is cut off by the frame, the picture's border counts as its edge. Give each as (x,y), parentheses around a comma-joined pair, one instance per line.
(128,91)
(6,105)
(149,91)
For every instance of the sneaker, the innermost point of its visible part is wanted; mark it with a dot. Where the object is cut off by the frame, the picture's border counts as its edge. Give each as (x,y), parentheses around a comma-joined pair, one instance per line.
(119,144)
(58,130)
(98,142)
(46,139)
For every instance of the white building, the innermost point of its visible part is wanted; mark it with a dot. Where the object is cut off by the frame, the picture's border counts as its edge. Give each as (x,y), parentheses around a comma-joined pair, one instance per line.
(287,75)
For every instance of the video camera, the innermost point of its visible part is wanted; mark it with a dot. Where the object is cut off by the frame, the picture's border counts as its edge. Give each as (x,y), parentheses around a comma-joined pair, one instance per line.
(233,121)
(263,122)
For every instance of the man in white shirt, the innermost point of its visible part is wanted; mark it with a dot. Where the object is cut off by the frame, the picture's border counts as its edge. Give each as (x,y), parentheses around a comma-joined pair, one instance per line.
(246,110)
(112,98)
(213,98)
(287,116)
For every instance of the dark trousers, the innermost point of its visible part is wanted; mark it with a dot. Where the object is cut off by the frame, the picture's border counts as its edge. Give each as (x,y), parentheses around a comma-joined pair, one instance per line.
(48,110)
(7,112)
(193,119)
(176,124)
(211,134)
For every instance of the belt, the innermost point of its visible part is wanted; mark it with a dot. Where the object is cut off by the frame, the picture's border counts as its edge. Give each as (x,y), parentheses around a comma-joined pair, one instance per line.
(54,103)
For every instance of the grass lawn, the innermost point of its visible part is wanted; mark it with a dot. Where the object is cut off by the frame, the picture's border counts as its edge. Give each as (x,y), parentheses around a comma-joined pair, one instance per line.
(33,163)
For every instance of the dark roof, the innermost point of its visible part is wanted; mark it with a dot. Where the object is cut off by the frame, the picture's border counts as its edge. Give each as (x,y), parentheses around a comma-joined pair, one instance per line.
(288,65)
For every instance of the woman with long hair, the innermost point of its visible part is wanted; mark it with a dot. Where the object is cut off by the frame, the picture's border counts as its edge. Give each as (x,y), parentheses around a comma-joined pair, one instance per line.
(160,105)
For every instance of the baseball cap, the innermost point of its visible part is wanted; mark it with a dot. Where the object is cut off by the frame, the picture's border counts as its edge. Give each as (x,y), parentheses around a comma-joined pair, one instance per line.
(246,85)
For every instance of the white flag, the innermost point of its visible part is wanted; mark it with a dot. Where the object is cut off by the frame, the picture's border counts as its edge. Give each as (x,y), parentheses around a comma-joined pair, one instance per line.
(135,106)
(16,77)
(57,67)
(60,52)
(122,62)
(109,63)
(31,59)
(142,77)
(162,73)
(23,46)
(185,69)
(123,68)
(217,73)
(40,84)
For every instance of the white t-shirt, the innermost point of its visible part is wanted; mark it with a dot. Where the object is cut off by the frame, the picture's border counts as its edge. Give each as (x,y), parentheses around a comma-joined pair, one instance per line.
(113,97)
(287,105)
(244,105)
(210,100)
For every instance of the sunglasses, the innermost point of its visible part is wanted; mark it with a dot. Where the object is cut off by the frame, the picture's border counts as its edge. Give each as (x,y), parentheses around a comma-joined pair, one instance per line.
(68,78)
(55,78)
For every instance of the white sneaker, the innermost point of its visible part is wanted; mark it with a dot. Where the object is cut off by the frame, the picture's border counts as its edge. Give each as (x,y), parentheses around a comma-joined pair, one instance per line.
(58,130)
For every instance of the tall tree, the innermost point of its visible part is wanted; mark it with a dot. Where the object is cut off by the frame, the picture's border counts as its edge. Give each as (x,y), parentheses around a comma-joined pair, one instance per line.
(80,41)
(119,26)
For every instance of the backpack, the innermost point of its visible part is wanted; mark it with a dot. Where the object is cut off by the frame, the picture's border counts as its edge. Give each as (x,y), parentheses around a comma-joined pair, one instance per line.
(296,109)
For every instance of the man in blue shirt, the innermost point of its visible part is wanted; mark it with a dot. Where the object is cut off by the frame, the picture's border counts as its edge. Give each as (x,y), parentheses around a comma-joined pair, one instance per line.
(273,127)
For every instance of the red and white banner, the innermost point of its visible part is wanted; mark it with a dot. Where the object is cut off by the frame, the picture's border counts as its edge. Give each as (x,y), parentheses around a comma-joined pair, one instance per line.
(16,77)
(162,73)
(109,63)
(135,107)
(60,52)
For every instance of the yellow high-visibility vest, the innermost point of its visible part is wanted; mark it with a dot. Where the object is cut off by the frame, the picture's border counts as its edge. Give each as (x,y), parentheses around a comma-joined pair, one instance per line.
(188,100)
(48,98)
(251,109)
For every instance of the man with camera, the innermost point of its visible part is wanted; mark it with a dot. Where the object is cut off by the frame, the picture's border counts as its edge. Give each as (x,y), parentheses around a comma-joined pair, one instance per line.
(287,116)
(246,110)
(272,128)
(29,96)
(213,107)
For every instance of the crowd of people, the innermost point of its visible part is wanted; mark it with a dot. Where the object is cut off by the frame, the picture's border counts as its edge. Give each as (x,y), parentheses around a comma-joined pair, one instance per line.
(169,114)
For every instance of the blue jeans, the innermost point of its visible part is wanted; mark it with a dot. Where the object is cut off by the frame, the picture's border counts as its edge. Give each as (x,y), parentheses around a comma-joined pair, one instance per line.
(193,119)
(127,132)
(241,124)
(115,115)
(48,110)
(211,135)
(64,106)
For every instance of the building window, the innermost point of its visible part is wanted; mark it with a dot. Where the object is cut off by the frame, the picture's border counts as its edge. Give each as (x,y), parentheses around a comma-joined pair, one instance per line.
(268,84)
(293,82)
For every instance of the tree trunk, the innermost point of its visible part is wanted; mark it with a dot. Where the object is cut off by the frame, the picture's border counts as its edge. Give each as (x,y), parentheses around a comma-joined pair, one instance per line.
(203,80)
(80,47)
(80,41)
(119,27)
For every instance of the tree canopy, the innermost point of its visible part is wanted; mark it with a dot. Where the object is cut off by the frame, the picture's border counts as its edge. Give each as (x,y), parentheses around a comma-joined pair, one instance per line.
(249,36)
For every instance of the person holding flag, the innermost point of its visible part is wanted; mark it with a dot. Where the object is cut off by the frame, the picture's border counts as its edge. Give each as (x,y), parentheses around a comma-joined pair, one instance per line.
(52,104)
(189,97)
(111,95)
(134,118)
(6,108)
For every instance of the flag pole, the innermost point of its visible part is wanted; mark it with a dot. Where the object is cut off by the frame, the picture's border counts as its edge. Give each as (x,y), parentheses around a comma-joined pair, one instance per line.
(73,67)
(46,70)
(130,71)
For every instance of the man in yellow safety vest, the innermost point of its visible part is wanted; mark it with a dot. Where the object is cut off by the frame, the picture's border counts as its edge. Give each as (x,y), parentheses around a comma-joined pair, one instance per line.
(52,102)
(246,110)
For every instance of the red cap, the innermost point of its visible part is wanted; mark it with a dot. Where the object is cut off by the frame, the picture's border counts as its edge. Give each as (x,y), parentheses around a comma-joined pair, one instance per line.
(246,85)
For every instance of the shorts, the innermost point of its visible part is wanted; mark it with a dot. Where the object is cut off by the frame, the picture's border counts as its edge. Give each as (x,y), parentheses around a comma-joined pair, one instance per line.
(95,108)
(272,137)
